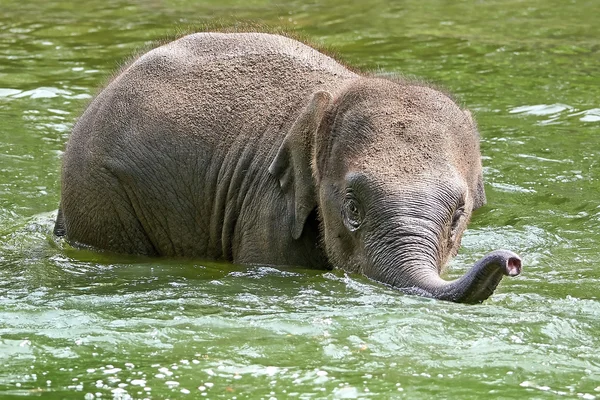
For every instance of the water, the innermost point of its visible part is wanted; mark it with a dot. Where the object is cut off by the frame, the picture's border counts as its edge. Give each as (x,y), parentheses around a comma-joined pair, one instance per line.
(77,324)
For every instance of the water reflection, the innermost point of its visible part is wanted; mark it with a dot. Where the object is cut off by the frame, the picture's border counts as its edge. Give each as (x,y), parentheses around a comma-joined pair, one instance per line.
(555,112)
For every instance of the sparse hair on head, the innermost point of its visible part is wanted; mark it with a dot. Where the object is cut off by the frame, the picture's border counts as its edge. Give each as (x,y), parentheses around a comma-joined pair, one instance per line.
(412,80)
(231,26)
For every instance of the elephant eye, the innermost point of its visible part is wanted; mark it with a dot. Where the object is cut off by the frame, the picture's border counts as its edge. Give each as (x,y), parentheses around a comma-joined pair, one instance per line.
(352,213)
(458,215)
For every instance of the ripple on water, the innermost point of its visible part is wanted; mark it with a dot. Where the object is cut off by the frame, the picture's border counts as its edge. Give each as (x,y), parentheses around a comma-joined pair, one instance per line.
(592,115)
(505,187)
(556,112)
(8,92)
(337,347)
(44,92)
(541,109)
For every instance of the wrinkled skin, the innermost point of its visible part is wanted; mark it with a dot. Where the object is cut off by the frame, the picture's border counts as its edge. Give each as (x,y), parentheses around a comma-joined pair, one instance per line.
(256,149)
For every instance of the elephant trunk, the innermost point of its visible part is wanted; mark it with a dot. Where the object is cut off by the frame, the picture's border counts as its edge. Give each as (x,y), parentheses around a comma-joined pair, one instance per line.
(474,287)
(405,257)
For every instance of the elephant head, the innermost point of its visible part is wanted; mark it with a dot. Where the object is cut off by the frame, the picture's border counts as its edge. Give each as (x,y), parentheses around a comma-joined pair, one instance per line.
(394,171)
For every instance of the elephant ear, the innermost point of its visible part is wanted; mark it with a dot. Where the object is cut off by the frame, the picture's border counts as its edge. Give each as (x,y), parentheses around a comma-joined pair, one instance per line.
(292,164)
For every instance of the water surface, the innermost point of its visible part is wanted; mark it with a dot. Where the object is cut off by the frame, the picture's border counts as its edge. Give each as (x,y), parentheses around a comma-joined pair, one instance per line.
(77,324)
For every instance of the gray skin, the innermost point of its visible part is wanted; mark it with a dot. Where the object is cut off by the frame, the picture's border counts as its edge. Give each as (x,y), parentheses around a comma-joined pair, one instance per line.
(257,149)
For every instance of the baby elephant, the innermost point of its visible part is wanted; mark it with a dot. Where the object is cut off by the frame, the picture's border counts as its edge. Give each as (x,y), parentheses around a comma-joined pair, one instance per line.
(257,149)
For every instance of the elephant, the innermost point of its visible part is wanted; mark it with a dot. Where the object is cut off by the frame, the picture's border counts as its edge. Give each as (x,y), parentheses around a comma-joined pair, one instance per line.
(257,149)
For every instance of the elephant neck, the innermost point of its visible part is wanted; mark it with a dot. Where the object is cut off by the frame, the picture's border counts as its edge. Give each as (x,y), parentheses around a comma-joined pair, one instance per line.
(251,217)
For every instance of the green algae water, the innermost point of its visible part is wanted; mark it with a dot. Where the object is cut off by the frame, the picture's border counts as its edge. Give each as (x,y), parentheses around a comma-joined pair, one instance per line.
(76,324)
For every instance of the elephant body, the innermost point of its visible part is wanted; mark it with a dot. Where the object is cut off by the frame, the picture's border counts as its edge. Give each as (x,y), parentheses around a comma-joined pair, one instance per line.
(244,147)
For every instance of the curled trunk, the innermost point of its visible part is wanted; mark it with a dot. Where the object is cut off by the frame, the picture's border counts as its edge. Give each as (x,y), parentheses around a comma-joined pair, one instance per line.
(474,287)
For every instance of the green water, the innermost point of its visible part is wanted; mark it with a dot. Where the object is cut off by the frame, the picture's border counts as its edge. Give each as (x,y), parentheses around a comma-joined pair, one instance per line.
(75,324)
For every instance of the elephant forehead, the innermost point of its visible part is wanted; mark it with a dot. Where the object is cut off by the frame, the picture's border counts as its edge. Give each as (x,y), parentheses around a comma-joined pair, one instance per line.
(399,101)
(401,131)
(406,151)
(408,168)
(402,127)
(444,125)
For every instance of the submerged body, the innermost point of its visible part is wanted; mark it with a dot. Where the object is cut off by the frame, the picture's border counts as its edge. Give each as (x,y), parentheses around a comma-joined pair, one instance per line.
(257,149)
